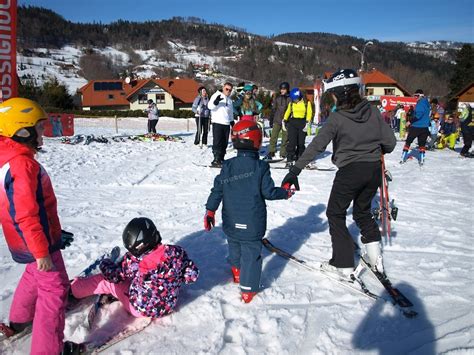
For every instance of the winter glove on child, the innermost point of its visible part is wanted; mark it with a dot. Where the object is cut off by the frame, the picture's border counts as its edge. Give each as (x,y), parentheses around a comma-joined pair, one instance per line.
(209,220)
(66,239)
(289,190)
(218,99)
(292,178)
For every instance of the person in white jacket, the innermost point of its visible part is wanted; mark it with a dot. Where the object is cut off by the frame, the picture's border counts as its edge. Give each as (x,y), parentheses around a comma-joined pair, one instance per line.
(222,118)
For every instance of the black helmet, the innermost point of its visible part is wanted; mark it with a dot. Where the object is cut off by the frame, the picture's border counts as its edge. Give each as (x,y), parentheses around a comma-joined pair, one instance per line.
(285,85)
(140,235)
(342,82)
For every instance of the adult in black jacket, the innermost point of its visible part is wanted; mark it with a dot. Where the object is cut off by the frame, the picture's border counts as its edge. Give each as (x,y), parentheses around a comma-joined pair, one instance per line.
(279,105)
(360,136)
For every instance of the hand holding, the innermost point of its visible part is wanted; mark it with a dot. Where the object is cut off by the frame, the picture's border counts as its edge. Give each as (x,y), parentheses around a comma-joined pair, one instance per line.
(290,190)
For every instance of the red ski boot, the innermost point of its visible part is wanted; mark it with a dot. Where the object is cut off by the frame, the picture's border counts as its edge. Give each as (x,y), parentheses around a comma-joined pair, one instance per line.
(248,296)
(236,274)
(6,331)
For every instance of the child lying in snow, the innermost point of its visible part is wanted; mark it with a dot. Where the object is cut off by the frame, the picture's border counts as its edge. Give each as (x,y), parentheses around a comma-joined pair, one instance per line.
(148,280)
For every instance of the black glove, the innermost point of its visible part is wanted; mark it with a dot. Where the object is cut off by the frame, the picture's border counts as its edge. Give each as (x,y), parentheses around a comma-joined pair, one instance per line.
(218,99)
(292,178)
(66,239)
(232,123)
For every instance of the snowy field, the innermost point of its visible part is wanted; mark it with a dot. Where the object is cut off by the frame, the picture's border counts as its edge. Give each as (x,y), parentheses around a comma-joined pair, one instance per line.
(100,187)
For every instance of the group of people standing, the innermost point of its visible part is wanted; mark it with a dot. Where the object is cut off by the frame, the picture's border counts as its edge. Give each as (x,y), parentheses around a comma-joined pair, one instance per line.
(291,116)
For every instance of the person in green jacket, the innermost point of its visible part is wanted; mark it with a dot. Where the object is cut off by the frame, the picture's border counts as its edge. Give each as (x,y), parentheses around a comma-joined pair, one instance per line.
(296,121)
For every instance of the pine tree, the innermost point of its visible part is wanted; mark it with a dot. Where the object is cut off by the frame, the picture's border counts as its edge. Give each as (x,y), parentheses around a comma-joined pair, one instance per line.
(464,69)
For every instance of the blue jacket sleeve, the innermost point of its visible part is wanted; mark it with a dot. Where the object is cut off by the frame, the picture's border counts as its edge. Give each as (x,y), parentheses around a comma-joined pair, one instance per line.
(216,195)
(269,191)
(196,103)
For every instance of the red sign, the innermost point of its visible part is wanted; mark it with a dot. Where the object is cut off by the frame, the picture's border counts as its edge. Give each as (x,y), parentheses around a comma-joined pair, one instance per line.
(389,103)
(58,125)
(8,75)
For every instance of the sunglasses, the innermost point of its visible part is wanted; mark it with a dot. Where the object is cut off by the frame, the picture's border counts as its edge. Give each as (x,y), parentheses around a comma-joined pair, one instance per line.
(228,89)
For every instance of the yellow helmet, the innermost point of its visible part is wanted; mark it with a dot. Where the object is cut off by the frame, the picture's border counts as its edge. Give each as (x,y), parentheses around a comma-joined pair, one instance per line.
(18,113)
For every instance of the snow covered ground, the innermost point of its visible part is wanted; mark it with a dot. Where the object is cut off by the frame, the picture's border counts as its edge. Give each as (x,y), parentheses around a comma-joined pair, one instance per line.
(100,187)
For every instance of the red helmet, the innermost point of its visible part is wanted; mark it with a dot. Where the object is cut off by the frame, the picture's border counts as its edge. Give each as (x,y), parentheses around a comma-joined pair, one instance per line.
(246,135)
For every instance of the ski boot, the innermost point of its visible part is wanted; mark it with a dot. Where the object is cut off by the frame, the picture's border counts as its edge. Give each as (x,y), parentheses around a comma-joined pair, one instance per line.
(342,272)
(374,256)
(422,156)
(247,297)
(70,348)
(235,274)
(404,155)
(216,163)
(269,157)
(7,331)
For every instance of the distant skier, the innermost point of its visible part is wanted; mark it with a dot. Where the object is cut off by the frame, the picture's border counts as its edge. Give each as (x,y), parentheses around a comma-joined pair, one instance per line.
(297,121)
(467,130)
(31,226)
(222,117)
(279,106)
(360,136)
(418,127)
(243,186)
(153,116)
(202,114)
(148,280)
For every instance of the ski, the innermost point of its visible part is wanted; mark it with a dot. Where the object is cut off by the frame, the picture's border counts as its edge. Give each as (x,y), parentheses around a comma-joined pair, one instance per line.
(137,326)
(361,289)
(271,161)
(308,167)
(397,297)
(98,301)
(207,166)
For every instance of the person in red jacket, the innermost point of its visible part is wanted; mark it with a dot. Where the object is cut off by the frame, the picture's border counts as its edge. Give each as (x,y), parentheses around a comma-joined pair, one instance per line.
(30,223)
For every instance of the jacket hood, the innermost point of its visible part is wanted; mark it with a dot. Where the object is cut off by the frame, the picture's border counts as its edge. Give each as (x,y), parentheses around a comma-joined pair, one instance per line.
(360,113)
(10,149)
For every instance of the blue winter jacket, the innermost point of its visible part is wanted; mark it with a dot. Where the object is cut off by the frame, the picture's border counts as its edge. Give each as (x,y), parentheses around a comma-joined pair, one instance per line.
(422,114)
(243,185)
(448,128)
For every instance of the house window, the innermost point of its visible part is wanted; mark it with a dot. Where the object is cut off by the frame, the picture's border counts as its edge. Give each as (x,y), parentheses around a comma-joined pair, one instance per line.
(389,91)
(111,96)
(142,99)
(369,91)
(160,98)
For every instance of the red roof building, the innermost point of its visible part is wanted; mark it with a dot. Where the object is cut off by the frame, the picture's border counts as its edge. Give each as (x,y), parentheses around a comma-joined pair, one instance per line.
(170,93)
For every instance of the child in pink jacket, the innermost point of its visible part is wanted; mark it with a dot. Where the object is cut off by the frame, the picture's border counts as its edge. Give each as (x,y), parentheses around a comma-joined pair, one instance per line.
(30,223)
(148,280)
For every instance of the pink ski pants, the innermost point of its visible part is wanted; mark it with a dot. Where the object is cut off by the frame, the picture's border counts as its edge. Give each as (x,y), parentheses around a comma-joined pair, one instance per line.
(41,297)
(97,284)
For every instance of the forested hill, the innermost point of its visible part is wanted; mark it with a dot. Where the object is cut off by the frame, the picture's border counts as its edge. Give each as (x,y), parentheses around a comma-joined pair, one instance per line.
(296,57)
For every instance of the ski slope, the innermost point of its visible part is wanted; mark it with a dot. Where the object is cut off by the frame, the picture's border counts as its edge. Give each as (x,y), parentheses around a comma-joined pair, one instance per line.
(100,187)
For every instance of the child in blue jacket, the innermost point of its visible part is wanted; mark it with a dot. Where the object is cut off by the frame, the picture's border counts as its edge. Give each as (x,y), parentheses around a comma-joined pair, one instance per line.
(243,186)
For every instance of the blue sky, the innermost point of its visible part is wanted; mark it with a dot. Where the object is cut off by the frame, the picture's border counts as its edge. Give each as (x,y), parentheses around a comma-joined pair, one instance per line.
(398,20)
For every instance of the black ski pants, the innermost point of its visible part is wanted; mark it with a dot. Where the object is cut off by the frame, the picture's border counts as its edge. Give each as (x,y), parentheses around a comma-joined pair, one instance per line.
(220,139)
(467,133)
(358,183)
(296,138)
(202,128)
(152,126)
(417,132)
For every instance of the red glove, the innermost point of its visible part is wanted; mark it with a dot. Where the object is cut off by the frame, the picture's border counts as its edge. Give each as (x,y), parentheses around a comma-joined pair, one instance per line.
(209,220)
(290,190)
